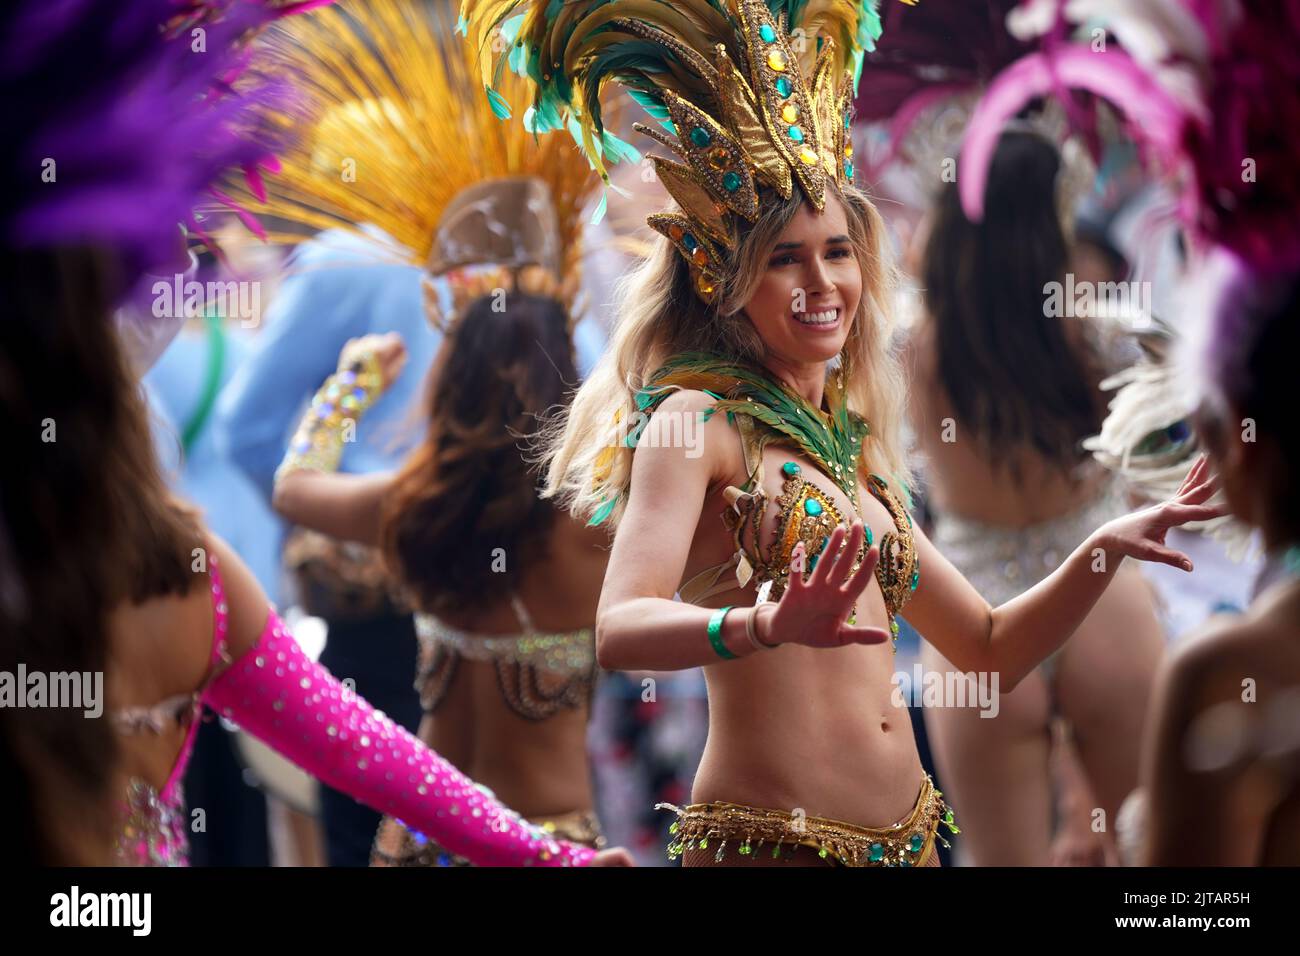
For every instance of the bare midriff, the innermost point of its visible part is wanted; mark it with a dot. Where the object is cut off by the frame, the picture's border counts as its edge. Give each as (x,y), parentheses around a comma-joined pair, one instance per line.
(800,727)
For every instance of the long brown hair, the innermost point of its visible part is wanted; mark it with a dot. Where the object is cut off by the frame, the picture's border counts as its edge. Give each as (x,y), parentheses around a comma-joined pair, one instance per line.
(1013,373)
(468,491)
(87,524)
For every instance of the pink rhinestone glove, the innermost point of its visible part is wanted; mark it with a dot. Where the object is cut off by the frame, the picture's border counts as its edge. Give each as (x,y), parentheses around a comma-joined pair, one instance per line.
(276,693)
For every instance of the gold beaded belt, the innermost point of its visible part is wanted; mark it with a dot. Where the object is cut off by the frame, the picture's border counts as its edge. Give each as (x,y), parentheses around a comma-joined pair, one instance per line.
(910,842)
(395,845)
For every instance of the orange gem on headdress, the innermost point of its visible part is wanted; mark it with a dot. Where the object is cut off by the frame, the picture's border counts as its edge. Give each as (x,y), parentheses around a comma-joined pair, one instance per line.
(703,285)
(675,232)
(700,257)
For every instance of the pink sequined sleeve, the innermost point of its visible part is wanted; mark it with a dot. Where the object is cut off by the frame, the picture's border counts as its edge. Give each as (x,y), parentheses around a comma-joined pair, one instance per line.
(296,706)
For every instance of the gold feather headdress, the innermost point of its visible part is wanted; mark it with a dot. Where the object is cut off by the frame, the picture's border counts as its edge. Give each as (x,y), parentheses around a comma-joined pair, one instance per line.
(754,94)
(394,133)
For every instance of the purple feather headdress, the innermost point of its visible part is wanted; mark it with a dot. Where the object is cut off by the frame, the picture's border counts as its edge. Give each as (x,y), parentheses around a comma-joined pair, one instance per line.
(124,115)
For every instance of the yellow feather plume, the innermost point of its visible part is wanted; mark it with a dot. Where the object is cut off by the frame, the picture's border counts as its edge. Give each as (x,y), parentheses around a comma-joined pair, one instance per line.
(394,123)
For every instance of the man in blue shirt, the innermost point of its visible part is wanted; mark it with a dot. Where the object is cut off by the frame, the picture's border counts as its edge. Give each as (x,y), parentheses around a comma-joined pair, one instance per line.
(339,286)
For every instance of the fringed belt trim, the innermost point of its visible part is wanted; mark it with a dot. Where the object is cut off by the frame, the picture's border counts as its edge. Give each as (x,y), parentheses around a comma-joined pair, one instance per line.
(910,842)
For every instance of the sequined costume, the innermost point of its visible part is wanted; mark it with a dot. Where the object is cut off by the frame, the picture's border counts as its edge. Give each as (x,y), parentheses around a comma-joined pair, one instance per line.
(485,207)
(765,413)
(755,111)
(154,829)
(296,706)
(909,842)
(755,405)
(521,661)
(538,674)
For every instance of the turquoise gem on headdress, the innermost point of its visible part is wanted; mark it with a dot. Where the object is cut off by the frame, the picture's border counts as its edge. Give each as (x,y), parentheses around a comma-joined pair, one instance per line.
(916,843)
(701,137)
(869,536)
(796,134)
(767,33)
(848,170)
(784,87)
(731,181)
(790,469)
(689,241)
(812,507)
(877,853)
(916,578)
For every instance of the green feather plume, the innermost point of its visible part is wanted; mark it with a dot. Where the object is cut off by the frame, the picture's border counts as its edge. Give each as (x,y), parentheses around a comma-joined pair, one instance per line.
(571,48)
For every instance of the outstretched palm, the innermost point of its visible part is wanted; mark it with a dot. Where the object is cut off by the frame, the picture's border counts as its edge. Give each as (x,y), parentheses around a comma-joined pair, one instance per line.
(1141,534)
(815,612)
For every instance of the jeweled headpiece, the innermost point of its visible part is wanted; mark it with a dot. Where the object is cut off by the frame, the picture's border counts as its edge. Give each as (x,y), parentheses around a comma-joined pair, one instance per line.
(754,94)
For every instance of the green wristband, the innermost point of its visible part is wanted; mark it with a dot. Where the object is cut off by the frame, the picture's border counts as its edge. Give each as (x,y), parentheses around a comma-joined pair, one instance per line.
(715,633)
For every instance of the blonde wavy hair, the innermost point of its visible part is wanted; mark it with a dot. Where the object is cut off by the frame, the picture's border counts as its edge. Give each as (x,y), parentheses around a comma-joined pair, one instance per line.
(660,316)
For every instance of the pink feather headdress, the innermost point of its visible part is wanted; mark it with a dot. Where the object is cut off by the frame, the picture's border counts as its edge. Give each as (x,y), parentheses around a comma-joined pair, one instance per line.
(1210,89)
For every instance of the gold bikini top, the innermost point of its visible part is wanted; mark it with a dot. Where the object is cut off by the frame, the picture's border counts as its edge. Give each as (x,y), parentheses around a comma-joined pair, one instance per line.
(807,514)
(538,673)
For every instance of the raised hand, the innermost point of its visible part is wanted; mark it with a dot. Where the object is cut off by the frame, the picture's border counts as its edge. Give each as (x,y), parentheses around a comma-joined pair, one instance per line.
(1141,534)
(815,612)
(386,352)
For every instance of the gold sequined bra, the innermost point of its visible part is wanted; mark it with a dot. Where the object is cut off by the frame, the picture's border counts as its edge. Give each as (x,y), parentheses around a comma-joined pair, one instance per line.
(807,514)
(539,673)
